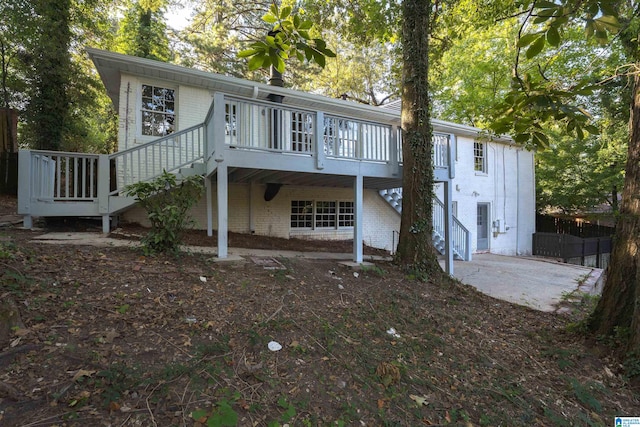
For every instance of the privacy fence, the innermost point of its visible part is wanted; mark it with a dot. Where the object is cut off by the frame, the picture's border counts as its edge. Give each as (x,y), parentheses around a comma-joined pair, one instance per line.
(8,173)
(573,242)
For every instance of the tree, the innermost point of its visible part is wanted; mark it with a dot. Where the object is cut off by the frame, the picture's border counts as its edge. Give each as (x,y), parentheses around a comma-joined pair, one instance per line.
(536,102)
(142,31)
(217,32)
(51,63)
(16,25)
(618,311)
(415,249)
(290,36)
(575,176)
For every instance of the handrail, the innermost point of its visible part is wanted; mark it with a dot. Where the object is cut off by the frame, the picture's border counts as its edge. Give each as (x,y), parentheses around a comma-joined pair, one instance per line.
(148,161)
(155,141)
(461,237)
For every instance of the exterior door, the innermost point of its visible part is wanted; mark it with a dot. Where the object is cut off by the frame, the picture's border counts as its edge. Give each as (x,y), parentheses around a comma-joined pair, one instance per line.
(482,232)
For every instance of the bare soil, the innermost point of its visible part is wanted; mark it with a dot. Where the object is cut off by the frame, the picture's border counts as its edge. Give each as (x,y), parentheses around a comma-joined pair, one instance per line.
(114,338)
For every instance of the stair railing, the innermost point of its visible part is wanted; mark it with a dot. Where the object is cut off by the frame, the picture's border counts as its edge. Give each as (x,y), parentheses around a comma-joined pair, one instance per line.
(461,237)
(148,161)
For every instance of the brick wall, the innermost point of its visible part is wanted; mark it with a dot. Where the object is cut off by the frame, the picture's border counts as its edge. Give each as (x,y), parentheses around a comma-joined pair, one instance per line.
(273,218)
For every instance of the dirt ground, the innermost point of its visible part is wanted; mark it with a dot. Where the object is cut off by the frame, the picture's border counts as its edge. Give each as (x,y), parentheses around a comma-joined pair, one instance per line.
(109,337)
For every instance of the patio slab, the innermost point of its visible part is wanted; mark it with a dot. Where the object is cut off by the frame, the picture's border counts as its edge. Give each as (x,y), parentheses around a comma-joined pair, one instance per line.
(537,283)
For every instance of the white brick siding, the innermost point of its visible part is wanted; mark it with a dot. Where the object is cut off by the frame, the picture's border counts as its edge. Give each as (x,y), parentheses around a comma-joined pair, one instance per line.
(507,186)
(273,218)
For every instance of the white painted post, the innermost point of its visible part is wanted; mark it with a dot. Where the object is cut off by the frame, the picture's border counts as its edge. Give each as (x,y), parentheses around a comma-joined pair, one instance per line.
(104,186)
(358,218)
(252,220)
(24,187)
(223,210)
(207,189)
(393,151)
(318,140)
(448,235)
(452,155)
(215,133)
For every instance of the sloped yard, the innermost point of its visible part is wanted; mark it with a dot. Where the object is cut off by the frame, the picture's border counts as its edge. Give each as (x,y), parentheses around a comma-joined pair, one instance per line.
(112,337)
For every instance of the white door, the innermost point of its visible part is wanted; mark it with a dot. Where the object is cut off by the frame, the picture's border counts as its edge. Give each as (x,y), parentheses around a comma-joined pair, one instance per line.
(483,227)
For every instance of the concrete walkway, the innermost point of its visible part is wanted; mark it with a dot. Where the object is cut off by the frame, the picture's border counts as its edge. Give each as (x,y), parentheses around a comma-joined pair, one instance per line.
(533,282)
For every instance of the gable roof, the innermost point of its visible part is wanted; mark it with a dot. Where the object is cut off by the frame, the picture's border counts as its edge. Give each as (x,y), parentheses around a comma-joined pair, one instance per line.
(111,66)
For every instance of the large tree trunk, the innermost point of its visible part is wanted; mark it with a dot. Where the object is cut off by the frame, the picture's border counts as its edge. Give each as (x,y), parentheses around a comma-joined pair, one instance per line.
(415,250)
(52,68)
(618,311)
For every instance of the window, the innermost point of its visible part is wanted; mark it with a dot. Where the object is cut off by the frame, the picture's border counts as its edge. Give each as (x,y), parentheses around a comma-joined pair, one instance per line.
(321,214)
(345,215)
(479,157)
(158,110)
(301,214)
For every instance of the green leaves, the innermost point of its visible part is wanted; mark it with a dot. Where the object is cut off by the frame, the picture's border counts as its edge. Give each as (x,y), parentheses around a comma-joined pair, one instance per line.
(532,107)
(167,203)
(535,103)
(290,36)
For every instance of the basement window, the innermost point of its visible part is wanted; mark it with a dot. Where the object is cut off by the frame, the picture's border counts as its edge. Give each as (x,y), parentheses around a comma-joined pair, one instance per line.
(321,214)
(158,110)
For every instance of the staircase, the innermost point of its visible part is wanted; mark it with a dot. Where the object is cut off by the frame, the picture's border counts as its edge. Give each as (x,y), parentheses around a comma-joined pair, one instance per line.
(55,183)
(461,236)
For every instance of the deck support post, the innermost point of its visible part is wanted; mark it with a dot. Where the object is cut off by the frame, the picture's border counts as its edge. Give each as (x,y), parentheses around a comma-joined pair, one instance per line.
(106,224)
(448,222)
(223,210)
(393,151)
(104,185)
(207,189)
(252,221)
(358,218)
(24,188)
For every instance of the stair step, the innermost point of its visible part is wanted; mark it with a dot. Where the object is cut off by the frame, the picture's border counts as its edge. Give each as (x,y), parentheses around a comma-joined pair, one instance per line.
(195,169)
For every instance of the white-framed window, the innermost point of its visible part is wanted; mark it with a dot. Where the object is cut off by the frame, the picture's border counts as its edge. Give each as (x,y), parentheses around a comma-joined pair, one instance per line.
(479,157)
(158,112)
(322,214)
(301,214)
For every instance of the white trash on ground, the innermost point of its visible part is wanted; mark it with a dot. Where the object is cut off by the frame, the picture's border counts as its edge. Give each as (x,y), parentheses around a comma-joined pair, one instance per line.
(274,346)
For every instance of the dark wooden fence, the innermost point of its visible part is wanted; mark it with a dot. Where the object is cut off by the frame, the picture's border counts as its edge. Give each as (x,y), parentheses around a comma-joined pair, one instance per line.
(8,173)
(552,224)
(592,251)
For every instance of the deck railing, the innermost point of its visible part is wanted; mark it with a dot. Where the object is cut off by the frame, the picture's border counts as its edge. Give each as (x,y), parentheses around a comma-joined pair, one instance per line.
(241,123)
(256,125)
(148,161)
(60,176)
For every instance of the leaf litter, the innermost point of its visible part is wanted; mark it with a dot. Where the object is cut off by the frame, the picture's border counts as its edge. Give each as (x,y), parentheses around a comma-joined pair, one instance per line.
(463,358)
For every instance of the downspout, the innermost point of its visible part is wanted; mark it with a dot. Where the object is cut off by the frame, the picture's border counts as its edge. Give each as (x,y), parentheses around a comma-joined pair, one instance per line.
(517,202)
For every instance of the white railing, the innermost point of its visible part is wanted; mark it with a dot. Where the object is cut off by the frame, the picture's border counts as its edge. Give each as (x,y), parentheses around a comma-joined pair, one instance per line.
(356,139)
(460,236)
(148,161)
(268,126)
(256,125)
(441,149)
(61,176)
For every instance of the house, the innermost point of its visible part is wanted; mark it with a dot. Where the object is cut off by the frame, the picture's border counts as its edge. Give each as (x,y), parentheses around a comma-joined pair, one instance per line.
(282,163)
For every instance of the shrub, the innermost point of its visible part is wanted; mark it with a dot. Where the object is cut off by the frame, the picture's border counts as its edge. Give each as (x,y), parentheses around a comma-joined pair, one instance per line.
(167,202)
